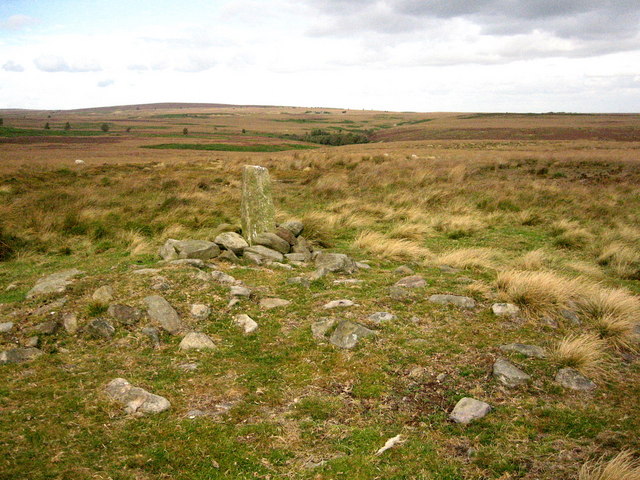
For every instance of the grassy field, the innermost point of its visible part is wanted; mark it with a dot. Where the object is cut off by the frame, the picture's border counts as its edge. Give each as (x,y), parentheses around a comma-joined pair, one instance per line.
(538,210)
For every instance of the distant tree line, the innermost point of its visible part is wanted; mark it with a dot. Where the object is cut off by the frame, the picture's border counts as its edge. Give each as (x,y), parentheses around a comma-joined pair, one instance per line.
(325,137)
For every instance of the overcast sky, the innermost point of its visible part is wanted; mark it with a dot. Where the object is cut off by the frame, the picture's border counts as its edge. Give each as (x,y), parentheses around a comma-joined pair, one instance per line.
(418,55)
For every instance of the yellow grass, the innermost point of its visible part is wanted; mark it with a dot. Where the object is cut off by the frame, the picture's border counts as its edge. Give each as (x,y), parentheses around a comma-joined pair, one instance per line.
(533,260)
(621,467)
(623,260)
(467,258)
(409,231)
(599,302)
(390,248)
(585,352)
(619,331)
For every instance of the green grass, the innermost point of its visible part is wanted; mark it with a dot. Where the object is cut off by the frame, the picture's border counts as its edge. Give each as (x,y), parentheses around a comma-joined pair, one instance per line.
(11,132)
(225,147)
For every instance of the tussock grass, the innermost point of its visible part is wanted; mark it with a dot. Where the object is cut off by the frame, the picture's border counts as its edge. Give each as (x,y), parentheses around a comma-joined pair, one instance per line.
(458,226)
(599,302)
(623,260)
(621,467)
(468,258)
(619,331)
(585,352)
(533,260)
(570,234)
(331,184)
(390,248)
(409,231)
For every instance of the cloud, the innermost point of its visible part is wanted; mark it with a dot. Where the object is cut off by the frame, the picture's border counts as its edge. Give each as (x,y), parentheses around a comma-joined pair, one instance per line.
(17,22)
(54,64)
(12,66)
(195,65)
(105,83)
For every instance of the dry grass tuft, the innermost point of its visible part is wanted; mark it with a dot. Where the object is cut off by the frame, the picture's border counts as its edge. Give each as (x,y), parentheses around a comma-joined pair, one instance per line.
(458,226)
(331,184)
(533,260)
(390,248)
(410,231)
(468,258)
(598,302)
(621,467)
(620,331)
(623,260)
(585,352)
(457,174)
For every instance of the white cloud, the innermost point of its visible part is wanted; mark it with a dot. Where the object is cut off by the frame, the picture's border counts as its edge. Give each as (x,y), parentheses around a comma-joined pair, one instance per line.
(12,66)
(54,63)
(17,22)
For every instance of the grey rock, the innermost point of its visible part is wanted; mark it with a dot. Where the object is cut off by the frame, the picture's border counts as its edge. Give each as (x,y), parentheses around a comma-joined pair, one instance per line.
(54,283)
(185,249)
(100,329)
(257,210)
(266,253)
(526,350)
(320,328)
(505,309)
(253,258)
(318,274)
(457,300)
(223,278)
(19,355)
(6,327)
(508,374)
(200,311)
(447,269)
(469,409)
(161,312)
(299,281)
(571,316)
(302,246)
(294,227)
(245,322)
(70,323)
(147,271)
(363,266)
(335,262)
(189,262)
(45,328)
(283,266)
(347,281)
(125,314)
(549,322)
(229,256)
(103,295)
(413,281)
(381,317)
(574,380)
(188,367)
(50,308)
(343,303)
(197,341)
(404,270)
(232,242)
(135,399)
(239,291)
(153,334)
(286,235)
(32,342)
(233,302)
(399,293)
(298,257)
(347,334)
(269,303)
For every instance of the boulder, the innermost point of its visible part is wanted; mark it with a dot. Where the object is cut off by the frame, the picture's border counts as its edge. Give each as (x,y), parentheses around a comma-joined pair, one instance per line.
(399,293)
(231,241)
(573,379)
(299,281)
(19,355)
(505,309)
(264,252)
(257,210)
(245,322)
(457,300)
(526,350)
(286,235)
(302,246)
(223,278)
(189,249)
(70,323)
(240,291)
(254,258)
(228,256)
(469,409)
(197,341)
(335,262)
(412,281)
(294,227)
(125,314)
(347,334)
(54,283)
(161,312)
(298,257)
(103,295)
(135,399)
(100,329)
(45,328)
(381,317)
(200,311)
(320,328)
(508,374)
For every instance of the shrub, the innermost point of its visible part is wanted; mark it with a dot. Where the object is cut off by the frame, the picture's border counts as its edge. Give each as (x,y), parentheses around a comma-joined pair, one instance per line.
(185,131)
(104,127)
(67,127)
(46,126)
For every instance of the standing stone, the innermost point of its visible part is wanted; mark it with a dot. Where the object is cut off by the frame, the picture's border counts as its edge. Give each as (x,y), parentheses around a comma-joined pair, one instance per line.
(258,212)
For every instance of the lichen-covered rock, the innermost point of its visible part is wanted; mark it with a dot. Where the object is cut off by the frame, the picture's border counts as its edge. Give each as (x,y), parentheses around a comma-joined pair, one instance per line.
(457,300)
(161,312)
(124,314)
(413,281)
(320,328)
(508,374)
(54,283)
(197,341)
(103,295)
(505,309)
(336,262)
(347,334)
(573,379)
(257,210)
(6,327)
(294,227)
(343,303)
(380,317)
(189,249)
(286,235)
(265,253)
(469,409)
(200,311)
(19,355)
(135,399)
(526,350)
(231,241)
(272,241)
(101,329)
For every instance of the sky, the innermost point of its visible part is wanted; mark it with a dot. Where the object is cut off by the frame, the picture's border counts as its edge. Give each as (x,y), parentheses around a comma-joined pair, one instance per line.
(400,55)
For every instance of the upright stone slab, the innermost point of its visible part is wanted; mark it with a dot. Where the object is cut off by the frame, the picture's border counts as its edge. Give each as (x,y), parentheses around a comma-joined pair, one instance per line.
(258,212)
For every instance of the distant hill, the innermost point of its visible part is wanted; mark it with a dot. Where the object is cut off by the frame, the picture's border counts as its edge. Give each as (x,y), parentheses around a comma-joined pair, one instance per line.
(144,107)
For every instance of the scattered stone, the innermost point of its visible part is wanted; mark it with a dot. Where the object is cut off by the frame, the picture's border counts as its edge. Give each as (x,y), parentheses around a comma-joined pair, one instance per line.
(269,303)
(284,266)
(573,379)
(246,323)
(404,270)
(50,308)
(318,274)
(571,316)
(294,227)
(320,328)
(54,283)
(469,409)
(100,329)
(6,327)
(505,309)
(239,291)
(189,262)
(413,281)
(147,271)
(299,281)
(161,312)
(183,249)
(45,328)
(200,311)
(160,283)
(153,334)
(399,293)
(197,341)
(343,303)
(447,269)
(233,302)
(549,322)
(257,210)
(380,317)
(103,295)
(347,334)
(441,377)
(188,367)
(124,314)
(253,258)
(298,257)
(232,242)
(347,281)
(336,262)
(191,414)
(70,323)
(228,256)
(223,278)
(508,374)
(526,350)
(135,399)
(363,266)
(457,300)
(265,253)
(32,342)
(286,235)
(19,355)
